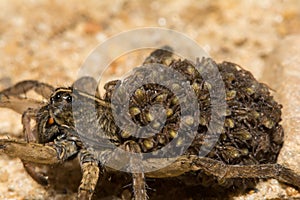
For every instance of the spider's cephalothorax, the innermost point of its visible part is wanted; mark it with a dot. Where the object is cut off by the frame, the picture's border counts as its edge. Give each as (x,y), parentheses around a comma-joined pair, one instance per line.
(76,119)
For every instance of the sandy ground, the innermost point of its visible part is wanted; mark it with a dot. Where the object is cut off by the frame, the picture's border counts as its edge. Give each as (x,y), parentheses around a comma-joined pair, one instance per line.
(49,40)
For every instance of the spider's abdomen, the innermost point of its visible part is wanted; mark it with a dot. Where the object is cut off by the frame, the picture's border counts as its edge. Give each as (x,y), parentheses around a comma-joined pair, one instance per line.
(251,132)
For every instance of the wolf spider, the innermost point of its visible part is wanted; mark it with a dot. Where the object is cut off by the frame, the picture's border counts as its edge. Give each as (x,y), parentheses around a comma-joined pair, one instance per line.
(54,138)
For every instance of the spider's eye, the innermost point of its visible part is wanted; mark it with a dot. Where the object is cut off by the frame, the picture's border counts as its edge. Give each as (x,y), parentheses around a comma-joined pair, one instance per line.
(67,97)
(56,98)
(61,96)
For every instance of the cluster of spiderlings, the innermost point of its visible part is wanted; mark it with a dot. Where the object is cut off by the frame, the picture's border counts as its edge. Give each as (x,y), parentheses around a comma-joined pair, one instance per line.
(140,104)
(155,109)
(251,132)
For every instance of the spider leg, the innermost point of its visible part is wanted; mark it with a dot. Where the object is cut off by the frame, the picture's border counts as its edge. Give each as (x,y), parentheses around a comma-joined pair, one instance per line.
(22,87)
(138,178)
(12,97)
(29,114)
(38,177)
(30,152)
(90,174)
(160,55)
(139,186)
(223,171)
(69,145)
(30,136)
(18,104)
(48,154)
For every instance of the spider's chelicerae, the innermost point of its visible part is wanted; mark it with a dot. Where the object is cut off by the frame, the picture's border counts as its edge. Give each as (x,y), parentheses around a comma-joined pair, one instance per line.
(247,148)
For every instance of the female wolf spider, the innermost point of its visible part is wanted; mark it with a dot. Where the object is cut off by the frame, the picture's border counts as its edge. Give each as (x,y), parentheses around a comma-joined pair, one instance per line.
(247,149)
